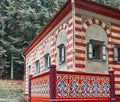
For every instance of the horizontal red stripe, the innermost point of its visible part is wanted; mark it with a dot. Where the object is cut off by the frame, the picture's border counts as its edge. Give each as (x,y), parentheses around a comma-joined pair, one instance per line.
(70,59)
(69,46)
(110,56)
(114,63)
(80,37)
(117,69)
(69,53)
(111,42)
(70,31)
(80,44)
(115,31)
(117,89)
(78,29)
(110,49)
(79,58)
(79,51)
(114,24)
(77,22)
(80,65)
(117,82)
(117,76)
(115,37)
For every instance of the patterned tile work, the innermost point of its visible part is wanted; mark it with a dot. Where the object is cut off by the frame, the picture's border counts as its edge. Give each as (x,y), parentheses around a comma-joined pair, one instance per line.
(82,86)
(40,86)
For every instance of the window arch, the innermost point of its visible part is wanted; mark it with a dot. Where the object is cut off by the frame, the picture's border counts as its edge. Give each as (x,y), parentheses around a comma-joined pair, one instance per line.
(97,41)
(61,49)
(47,55)
(96,52)
(37,62)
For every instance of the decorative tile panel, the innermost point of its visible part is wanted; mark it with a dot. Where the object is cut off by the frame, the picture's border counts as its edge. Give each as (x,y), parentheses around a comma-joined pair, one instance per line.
(41,86)
(82,86)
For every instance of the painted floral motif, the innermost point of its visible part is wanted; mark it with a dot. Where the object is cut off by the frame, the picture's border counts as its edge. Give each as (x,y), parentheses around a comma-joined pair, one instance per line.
(82,86)
(40,86)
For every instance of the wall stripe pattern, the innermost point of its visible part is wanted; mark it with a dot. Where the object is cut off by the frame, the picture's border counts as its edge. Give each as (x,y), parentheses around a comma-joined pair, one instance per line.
(79,44)
(113,38)
(68,26)
(115,34)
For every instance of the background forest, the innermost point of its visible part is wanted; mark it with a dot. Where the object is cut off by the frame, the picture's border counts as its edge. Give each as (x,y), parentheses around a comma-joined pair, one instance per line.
(20,22)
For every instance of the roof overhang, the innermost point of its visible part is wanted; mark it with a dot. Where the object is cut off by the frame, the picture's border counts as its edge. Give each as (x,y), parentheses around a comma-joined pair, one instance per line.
(82,4)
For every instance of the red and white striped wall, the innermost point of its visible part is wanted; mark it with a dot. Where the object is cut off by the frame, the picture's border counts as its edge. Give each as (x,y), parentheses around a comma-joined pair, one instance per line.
(80,45)
(115,31)
(51,38)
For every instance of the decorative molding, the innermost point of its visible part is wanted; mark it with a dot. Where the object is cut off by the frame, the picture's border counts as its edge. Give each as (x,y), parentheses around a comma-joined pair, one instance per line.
(91,14)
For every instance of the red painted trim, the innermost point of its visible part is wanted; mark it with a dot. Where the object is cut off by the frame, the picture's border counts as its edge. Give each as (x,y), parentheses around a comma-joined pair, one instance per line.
(83,100)
(39,99)
(112,84)
(98,8)
(40,75)
(53,82)
(83,73)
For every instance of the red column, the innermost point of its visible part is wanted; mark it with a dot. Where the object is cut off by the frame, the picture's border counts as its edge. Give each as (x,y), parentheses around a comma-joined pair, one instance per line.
(52,83)
(112,85)
(29,88)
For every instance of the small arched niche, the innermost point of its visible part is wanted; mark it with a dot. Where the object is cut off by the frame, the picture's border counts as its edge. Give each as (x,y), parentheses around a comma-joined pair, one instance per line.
(61,43)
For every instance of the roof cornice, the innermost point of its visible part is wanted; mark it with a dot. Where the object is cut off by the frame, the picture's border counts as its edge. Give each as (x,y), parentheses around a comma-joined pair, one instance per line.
(98,8)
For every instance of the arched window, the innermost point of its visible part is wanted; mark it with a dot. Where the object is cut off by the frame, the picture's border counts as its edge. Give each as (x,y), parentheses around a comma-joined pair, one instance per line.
(37,62)
(61,49)
(47,56)
(96,52)
(97,40)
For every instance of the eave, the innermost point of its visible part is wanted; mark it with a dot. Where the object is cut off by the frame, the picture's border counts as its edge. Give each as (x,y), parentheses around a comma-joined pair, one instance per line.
(98,8)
